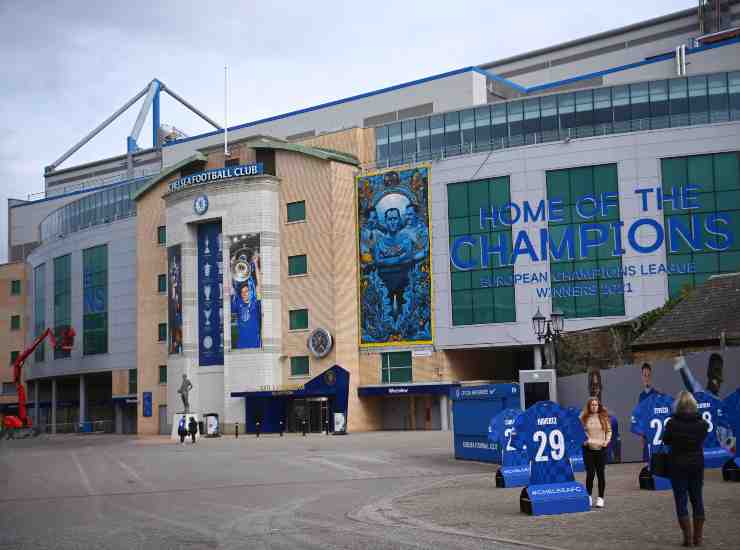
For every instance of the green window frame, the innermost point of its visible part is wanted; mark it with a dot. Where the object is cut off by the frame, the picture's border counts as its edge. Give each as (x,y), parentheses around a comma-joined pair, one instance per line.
(15,322)
(133,375)
(62,299)
(39,308)
(95,300)
(162,374)
(299,365)
(297,265)
(14,355)
(296,211)
(592,286)
(298,319)
(15,287)
(162,332)
(162,283)
(162,235)
(474,302)
(718,178)
(396,367)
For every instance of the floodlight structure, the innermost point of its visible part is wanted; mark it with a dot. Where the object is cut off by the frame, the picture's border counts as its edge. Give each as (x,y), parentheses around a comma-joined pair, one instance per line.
(151,94)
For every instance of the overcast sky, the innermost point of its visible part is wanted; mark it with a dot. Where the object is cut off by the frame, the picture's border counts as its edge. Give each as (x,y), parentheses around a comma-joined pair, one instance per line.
(67,65)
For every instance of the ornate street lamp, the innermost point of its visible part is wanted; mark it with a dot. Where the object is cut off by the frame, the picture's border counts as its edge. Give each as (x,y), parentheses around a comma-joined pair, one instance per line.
(547,331)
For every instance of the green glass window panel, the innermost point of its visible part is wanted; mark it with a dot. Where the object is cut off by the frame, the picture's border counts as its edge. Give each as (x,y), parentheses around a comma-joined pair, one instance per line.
(162,235)
(296,211)
(162,374)
(475,225)
(700,278)
(729,262)
(504,304)
(561,271)
(499,191)
(162,283)
(673,173)
(132,376)
(95,283)
(566,302)
(460,226)
(587,305)
(462,307)
(461,280)
(396,367)
(298,319)
(587,271)
(15,287)
(457,200)
(557,233)
(676,243)
(677,283)
(727,171)
(297,265)
(400,376)
(162,332)
(581,183)
(504,276)
(483,306)
(605,179)
(13,356)
(478,197)
(728,200)
(299,366)
(706,262)
(701,173)
(558,186)
(15,322)
(706,202)
(478,275)
(39,307)
(734,228)
(612,305)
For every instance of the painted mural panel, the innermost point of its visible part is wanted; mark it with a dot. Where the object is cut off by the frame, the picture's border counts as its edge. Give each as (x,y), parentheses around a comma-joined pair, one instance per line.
(395,265)
(210,295)
(246,294)
(174,299)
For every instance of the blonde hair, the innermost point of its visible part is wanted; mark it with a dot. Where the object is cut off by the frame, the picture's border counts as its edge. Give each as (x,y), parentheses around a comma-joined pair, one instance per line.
(685,403)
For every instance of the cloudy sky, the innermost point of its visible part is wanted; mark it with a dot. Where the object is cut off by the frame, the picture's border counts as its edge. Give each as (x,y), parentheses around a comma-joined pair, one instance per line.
(67,65)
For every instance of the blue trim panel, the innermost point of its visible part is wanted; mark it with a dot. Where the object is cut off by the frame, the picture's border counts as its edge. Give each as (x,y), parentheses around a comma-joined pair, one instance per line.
(56,197)
(501,79)
(329,104)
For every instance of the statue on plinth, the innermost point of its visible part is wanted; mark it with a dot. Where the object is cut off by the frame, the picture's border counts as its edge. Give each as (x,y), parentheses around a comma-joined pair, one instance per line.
(185,388)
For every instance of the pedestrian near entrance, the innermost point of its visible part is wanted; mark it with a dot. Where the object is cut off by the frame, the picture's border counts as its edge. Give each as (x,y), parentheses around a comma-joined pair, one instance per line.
(192,428)
(182,430)
(596,423)
(685,433)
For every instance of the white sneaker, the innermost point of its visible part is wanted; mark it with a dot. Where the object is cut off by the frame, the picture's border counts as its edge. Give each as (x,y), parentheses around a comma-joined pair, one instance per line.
(599,502)
(590,501)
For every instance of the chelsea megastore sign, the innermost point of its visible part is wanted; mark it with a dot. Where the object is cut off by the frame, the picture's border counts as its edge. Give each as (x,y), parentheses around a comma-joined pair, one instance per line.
(211,176)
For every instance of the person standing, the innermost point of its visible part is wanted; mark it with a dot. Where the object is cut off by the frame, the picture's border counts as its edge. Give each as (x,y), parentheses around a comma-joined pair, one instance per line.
(596,424)
(192,428)
(182,430)
(685,433)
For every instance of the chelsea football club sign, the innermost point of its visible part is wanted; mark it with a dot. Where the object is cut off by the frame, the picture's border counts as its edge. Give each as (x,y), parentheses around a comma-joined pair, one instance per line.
(200,205)
(211,176)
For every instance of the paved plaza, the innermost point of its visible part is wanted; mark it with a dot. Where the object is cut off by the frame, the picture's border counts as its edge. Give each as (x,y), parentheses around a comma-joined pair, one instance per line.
(373,490)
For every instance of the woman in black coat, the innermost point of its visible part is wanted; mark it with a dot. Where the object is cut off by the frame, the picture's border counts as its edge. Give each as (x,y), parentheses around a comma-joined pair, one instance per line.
(192,428)
(685,433)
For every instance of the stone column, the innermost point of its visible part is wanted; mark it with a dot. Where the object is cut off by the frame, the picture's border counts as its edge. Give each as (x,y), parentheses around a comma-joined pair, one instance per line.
(444,418)
(53,405)
(537,357)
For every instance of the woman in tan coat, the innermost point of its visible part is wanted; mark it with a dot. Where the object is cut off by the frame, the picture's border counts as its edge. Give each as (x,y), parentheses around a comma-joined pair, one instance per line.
(595,420)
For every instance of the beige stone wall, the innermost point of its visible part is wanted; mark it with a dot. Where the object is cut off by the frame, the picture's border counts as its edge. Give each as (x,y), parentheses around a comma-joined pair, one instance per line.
(359,142)
(151,307)
(11,340)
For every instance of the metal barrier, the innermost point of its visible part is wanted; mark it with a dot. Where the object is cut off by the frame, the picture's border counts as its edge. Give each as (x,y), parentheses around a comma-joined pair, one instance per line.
(88,427)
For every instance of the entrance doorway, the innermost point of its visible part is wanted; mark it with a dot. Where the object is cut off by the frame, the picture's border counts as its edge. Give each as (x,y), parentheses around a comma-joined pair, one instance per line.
(315,411)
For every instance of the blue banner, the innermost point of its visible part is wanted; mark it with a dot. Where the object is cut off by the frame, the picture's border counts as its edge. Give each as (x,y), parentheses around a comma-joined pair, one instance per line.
(147,403)
(210,295)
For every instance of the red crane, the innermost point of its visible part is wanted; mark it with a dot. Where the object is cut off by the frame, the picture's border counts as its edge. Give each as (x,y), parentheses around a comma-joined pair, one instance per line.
(22,421)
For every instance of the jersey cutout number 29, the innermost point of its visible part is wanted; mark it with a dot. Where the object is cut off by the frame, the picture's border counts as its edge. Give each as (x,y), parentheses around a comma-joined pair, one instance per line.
(556,443)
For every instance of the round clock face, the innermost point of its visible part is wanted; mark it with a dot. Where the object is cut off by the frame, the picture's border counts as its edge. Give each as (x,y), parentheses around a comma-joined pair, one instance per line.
(200,205)
(320,342)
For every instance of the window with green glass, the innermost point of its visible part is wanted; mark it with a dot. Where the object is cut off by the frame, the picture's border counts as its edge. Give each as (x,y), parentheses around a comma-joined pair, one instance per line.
(299,366)
(162,235)
(62,299)
(162,283)
(296,211)
(95,298)
(297,265)
(39,307)
(298,319)
(162,374)
(13,356)
(483,295)
(588,286)
(396,367)
(15,287)
(162,332)
(132,376)
(15,322)
(688,242)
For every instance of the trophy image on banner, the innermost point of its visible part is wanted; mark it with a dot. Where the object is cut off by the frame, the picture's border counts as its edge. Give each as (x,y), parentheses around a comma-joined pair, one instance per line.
(246,295)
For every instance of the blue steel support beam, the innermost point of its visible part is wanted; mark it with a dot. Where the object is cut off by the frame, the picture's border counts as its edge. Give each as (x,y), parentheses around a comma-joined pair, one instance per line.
(155,116)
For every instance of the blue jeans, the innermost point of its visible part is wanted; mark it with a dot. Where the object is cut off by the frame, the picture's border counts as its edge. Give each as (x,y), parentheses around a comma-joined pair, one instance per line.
(688,484)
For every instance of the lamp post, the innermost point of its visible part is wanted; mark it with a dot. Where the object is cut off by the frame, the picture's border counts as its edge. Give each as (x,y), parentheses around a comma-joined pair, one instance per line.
(547,331)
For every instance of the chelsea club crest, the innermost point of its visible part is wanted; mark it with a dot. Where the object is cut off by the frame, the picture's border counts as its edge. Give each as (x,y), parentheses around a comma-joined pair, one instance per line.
(200,205)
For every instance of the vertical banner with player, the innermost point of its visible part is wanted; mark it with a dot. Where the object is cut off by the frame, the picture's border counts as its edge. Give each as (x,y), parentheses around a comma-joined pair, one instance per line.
(246,293)
(210,295)
(174,299)
(395,262)
(648,421)
(731,406)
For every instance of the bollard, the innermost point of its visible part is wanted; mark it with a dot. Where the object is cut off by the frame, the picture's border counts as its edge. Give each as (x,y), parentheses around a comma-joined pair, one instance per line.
(257,429)
(326,426)
(236,428)
(281,428)
(304,428)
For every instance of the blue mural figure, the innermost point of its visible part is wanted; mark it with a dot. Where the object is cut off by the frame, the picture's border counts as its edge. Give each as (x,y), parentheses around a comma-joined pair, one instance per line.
(248,311)
(394,254)
(370,232)
(415,229)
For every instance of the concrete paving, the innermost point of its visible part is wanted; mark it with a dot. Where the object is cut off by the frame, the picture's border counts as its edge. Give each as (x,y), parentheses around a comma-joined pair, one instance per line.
(374,490)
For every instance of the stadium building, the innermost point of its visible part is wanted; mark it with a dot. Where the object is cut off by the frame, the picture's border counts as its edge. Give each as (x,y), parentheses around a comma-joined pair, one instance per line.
(368,255)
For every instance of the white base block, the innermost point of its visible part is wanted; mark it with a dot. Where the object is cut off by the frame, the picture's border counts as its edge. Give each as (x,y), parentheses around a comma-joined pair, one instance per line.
(176,421)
